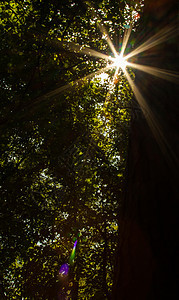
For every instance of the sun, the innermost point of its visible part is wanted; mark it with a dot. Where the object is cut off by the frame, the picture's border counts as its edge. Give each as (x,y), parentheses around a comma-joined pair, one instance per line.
(120,62)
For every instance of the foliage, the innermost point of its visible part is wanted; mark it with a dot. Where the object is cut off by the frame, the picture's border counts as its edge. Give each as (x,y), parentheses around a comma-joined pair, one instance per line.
(63,147)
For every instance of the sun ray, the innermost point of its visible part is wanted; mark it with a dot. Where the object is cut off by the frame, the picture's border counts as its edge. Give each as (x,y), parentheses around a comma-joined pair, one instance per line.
(115,74)
(108,40)
(125,40)
(102,28)
(91,52)
(155,40)
(71,85)
(153,123)
(70,46)
(164,74)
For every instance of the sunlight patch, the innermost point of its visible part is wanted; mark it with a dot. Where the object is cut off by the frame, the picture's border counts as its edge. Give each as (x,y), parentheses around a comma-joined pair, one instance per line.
(102,77)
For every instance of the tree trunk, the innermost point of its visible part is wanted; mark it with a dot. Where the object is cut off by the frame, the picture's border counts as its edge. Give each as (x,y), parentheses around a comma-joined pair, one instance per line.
(147,256)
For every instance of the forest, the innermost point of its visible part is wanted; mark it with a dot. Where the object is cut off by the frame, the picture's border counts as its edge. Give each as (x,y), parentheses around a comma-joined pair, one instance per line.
(89,149)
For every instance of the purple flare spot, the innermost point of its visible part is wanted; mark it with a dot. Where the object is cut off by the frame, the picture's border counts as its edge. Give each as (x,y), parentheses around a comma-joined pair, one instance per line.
(75,244)
(64,269)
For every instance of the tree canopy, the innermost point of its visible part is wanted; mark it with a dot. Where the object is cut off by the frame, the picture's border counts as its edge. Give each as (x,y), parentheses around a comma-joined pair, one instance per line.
(64,136)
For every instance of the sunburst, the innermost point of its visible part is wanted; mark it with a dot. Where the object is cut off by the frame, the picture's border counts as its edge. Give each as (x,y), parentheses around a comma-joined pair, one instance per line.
(120,62)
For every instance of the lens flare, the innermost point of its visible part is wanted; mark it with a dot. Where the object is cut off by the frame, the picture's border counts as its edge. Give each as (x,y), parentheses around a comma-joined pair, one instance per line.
(72,256)
(64,270)
(75,243)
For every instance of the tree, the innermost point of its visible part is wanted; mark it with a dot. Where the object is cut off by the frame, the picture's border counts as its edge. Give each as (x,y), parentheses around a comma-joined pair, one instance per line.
(63,148)
(146,258)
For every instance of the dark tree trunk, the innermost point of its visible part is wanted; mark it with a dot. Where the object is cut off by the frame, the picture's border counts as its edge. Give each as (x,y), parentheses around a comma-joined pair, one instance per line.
(146,264)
